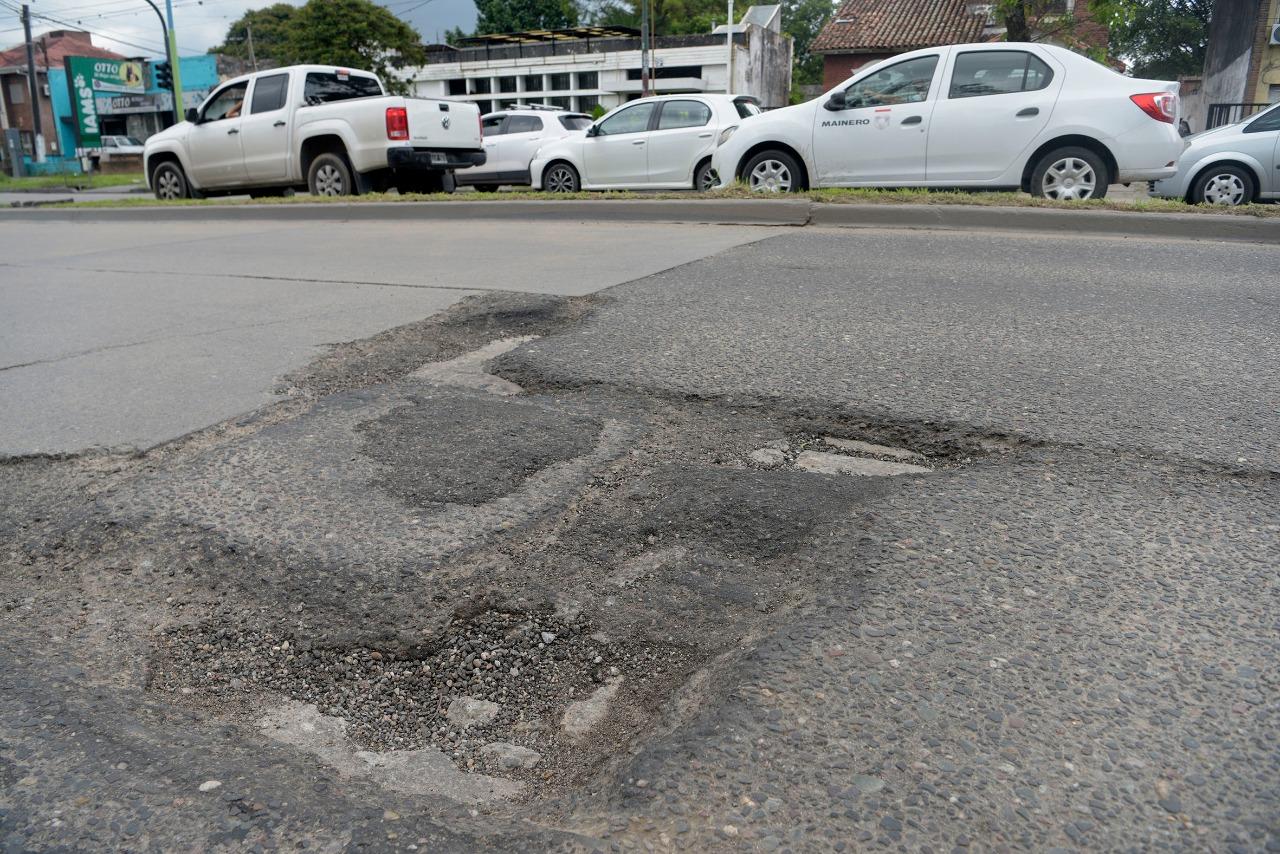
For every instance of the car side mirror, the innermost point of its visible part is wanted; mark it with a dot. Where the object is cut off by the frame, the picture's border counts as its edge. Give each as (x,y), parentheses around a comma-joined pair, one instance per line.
(193,115)
(836,102)
(594,130)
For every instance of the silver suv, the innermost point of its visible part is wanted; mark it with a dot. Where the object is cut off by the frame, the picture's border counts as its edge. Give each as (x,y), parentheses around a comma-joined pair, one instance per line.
(511,137)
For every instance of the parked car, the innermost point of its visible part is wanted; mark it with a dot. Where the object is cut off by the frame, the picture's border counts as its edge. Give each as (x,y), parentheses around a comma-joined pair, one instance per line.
(663,142)
(330,130)
(995,116)
(1231,165)
(512,137)
(112,145)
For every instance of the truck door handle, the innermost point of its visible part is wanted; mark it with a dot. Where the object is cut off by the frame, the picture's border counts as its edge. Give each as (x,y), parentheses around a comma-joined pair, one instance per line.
(1028,112)
(912,120)
(233,130)
(279,124)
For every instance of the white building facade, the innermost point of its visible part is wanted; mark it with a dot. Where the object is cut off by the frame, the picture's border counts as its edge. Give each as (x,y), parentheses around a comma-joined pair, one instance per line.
(584,68)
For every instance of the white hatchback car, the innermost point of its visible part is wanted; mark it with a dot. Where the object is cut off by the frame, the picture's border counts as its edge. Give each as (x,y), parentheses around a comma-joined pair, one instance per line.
(991,116)
(1231,165)
(663,142)
(512,137)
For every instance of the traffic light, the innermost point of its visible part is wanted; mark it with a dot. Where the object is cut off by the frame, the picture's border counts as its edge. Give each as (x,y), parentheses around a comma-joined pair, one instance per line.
(164,76)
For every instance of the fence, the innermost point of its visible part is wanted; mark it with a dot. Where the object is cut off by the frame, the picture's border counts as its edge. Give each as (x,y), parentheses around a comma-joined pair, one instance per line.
(1229,114)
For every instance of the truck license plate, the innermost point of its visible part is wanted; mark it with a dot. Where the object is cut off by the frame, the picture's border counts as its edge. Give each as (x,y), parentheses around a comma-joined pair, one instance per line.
(437,158)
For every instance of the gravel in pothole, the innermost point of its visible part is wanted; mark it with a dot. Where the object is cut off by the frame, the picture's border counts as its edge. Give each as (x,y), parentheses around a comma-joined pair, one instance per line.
(532,665)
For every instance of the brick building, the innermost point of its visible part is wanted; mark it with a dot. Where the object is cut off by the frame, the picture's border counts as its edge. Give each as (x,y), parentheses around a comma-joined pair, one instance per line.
(15,95)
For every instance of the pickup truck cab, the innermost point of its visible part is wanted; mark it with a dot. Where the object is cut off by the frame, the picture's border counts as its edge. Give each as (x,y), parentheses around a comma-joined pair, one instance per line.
(329,130)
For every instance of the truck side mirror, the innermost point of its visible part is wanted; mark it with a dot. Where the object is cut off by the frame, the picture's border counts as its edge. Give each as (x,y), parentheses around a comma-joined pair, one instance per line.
(193,115)
(836,102)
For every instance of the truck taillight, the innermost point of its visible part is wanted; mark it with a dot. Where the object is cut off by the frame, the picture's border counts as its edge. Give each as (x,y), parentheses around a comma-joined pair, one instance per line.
(397,123)
(1161,106)
(480,122)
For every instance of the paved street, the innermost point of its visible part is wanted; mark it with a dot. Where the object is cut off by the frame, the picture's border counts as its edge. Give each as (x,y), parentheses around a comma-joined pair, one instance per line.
(564,545)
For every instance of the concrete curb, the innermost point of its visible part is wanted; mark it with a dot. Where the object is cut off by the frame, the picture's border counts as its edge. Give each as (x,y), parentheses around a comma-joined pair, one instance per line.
(771,212)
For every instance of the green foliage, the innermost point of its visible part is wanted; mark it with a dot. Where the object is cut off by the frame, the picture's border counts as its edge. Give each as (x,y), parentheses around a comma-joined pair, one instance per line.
(668,17)
(1163,39)
(509,16)
(271,28)
(597,111)
(803,20)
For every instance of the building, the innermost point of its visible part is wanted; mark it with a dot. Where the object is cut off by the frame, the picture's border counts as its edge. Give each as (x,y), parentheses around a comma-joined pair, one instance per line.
(1241,64)
(863,32)
(585,67)
(16,111)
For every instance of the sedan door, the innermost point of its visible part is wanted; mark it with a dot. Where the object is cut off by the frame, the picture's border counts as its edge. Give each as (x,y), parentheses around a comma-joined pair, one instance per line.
(616,155)
(997,104)
(264,133)
(1261,140)
(875,131)
(216,155)
(684,134)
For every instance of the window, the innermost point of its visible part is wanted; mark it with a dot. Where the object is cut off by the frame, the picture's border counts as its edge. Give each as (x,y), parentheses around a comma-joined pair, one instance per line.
(484,106)
(524,124)
(479,85)
(904,83)
(561,103)
(558,82)
(457,86)
(18,91)
(746,108)
(588,80)
(587,103)
(683,114)
(1270,120)
(506,84)
(575,122)
(109,142)
(533,83)
(997,72)
(226,104)
(492,125)
(269,93)
(323,88)
(667,72)
(629,120)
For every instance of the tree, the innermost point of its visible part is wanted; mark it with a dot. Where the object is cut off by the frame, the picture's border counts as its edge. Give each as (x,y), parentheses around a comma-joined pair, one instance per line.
(271,28)
(667,17)
(803,20)
(1163,39)
(357,34)
(510,16)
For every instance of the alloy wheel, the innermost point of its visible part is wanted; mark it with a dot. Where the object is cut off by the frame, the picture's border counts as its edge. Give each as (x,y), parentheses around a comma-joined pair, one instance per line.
(560,180)
(771,176)
(168,185)
(1070,179)
(1224,189)
(707,180)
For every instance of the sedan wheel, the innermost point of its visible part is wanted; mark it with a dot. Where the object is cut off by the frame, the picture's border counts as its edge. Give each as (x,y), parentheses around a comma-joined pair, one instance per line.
(1224,189)
(771,176)
(1070,178)
(561,178)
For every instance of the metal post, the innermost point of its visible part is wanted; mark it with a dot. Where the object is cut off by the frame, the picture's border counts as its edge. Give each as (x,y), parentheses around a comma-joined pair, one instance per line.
(171,54)
(172,44)
(728,67)
(248,28)
(33,81)
(644,48)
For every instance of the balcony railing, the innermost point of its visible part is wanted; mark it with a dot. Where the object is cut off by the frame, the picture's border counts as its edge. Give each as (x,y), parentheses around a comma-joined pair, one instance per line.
(1229,114)
(573,46)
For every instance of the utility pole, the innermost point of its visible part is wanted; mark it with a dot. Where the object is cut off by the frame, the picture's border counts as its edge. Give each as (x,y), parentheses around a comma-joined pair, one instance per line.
(252,59)
(644,48)
(728,84)
(33,81)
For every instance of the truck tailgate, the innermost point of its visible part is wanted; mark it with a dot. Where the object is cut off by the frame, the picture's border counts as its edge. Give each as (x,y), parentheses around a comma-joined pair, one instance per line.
(446,124)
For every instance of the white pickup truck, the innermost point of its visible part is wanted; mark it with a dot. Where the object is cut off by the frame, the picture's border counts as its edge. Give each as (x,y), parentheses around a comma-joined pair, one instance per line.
(333,131)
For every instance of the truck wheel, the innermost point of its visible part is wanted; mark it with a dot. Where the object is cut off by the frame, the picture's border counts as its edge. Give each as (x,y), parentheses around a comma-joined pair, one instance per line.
(773,172)
(561,178)
(1223,185)
(169,182)
(1070,174)
(330,175)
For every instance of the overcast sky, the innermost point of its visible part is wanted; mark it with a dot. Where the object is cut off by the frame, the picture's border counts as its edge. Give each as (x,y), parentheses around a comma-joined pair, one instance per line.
(131,28)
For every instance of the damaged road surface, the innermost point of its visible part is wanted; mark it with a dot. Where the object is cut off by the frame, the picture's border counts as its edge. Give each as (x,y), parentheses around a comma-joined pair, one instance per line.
(976,549)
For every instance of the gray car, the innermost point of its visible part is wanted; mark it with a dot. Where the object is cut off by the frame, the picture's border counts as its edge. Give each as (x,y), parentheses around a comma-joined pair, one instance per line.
(1231,165)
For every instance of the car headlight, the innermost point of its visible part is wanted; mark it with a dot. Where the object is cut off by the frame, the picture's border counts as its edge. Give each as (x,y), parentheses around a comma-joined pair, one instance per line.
(725,134)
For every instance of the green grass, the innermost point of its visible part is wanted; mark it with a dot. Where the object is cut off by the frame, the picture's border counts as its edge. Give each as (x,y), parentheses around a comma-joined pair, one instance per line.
(835,196)
(65,182)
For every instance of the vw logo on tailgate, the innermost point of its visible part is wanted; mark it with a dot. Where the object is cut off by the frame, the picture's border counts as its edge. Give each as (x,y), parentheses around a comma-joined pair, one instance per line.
(444,122)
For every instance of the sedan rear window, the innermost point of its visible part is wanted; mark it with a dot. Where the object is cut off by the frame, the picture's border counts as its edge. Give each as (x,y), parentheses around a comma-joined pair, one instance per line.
(322,88)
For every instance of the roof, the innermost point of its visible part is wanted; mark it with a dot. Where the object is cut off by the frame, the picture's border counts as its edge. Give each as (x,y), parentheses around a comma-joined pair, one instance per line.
(53,47)
(537,36)
(898,25)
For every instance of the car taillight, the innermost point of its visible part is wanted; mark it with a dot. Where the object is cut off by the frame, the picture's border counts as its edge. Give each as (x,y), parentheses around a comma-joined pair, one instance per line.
(397,123)
(1161,106)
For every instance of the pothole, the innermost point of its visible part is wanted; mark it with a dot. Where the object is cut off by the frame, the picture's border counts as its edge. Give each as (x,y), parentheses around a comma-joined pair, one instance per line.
(823,454)
(527,695)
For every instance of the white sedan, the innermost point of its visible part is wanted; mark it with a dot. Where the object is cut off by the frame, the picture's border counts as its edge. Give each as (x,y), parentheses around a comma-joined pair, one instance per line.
(992,116)
(663,142)
(1231,165)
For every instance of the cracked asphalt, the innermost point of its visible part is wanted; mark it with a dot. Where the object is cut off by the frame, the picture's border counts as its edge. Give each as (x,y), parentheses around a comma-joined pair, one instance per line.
(1063,636)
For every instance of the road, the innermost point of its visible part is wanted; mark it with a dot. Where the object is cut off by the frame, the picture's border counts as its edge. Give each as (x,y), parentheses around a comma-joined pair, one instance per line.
(549,564)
